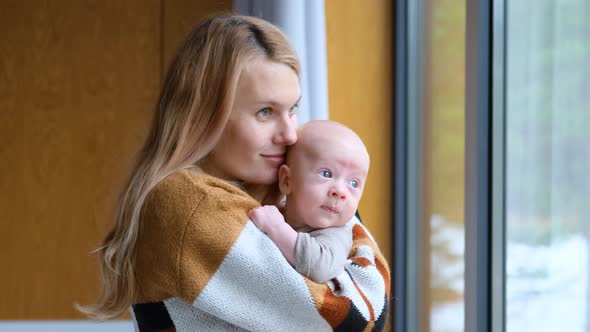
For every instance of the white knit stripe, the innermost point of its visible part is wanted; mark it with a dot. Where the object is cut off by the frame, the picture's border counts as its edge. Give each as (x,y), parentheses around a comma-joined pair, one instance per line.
(188,318)
(365,277)
(252,279)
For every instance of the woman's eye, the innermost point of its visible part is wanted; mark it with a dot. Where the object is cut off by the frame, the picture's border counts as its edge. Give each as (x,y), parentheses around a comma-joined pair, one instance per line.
(294,109)
(326,174)
(354,183)
(265,112)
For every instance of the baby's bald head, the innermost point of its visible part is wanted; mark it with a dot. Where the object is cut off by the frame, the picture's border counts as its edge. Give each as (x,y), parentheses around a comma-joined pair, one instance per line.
(314,137)
(324,176)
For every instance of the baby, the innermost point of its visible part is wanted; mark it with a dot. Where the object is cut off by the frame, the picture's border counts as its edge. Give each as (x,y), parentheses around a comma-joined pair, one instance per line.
(323,180)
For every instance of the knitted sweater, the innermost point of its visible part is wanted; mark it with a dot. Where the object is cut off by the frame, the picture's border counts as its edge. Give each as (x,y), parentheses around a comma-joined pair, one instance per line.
(201,265)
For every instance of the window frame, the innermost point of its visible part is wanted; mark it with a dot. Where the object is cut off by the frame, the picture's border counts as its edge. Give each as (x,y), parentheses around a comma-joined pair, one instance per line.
(484,166)
(407,209)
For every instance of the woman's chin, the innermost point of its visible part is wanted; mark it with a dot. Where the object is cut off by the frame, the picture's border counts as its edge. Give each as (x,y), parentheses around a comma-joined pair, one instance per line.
(260,180)
(268,178)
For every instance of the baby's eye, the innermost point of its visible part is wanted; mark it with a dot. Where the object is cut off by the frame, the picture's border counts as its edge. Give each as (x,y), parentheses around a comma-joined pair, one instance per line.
(326,174)
(354,183)
(265,112)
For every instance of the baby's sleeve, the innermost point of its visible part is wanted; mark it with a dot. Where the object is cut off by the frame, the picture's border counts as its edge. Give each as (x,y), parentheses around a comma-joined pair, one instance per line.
(320,255)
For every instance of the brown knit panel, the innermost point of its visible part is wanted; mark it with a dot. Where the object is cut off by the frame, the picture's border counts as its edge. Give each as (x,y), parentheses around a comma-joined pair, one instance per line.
(362,261)
(191,221)
(332,308)
(317,292)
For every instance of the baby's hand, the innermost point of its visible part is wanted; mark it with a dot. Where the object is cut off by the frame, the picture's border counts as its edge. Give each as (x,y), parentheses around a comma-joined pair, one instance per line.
(266,217)
(272,223)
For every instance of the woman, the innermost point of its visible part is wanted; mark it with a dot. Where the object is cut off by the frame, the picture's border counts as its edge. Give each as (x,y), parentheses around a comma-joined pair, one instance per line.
(182,252)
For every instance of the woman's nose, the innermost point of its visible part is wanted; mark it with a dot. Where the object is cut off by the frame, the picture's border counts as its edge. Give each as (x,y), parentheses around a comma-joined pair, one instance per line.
(286,132)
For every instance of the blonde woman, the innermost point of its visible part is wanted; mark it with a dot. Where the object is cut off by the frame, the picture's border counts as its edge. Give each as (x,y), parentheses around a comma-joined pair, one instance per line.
(182,254)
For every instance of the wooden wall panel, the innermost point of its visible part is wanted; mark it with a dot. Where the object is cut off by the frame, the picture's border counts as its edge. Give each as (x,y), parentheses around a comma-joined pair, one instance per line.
(360,85)
(77,83)
(180,16)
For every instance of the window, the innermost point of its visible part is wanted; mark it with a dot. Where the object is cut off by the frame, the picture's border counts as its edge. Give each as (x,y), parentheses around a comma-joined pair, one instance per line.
(430,134)
(492,156)
(442,172)
(547,163)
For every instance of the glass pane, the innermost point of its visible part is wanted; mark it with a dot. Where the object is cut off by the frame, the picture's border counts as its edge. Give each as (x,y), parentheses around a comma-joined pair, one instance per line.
(443,118)
(547,164)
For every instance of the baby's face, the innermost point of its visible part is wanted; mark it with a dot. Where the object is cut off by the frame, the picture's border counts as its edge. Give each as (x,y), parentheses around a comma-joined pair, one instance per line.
(327,180)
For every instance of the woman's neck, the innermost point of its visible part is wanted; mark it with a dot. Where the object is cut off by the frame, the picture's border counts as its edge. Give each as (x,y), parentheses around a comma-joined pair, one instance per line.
(206,168)
(263,193)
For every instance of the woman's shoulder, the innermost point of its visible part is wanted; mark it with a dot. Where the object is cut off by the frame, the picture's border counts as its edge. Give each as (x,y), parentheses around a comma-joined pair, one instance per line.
(184,190)
(178,210)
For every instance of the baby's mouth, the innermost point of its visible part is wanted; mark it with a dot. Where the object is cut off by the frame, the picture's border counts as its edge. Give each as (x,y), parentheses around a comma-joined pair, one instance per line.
(329,209)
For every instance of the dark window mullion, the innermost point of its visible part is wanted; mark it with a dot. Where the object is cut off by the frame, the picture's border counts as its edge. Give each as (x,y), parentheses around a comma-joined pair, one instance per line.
(477,166)
(399,303)
(408,108)
(498,256)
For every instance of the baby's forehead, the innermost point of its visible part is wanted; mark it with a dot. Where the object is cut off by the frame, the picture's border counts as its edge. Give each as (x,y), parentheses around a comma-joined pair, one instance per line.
(324,139)
(336,150)
(326,149)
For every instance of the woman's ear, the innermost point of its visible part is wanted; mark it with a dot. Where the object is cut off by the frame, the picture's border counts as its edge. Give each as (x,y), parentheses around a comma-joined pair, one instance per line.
(284,179)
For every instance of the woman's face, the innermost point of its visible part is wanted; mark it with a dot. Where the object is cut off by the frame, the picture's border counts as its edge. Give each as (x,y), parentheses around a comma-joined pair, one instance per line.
(261,125)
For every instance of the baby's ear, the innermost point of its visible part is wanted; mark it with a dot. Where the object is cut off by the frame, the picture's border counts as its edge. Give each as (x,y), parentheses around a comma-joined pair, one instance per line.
(284,179)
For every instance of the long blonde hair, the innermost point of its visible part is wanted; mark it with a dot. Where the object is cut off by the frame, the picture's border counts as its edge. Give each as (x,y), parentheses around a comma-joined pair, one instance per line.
(193,109)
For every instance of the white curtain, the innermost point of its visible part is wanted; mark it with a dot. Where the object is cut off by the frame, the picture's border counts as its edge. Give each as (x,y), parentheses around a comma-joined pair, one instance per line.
(304,23)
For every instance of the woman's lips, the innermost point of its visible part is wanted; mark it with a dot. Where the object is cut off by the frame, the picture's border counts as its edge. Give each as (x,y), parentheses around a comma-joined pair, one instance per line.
(275,159)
